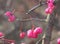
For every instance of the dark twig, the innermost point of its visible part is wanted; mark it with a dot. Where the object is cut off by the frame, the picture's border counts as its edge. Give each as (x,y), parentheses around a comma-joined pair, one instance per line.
(35,7)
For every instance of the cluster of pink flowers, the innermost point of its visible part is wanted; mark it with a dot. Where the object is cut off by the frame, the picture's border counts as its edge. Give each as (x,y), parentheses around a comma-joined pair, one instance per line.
(10,16)
(32,33)
(51,6)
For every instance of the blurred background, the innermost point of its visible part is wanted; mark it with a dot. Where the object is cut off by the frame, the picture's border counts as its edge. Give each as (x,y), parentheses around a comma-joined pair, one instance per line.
(12,29)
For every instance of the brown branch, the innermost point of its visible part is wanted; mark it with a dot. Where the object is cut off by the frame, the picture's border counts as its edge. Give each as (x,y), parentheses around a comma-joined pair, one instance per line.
(30,19)
(40,39)
(35,7)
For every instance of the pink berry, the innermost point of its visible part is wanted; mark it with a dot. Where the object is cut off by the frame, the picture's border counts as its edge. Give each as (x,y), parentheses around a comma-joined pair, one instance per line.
(50,1)
(58,40)
(50,5)
(11,18)
(50,10)
(47,10)
(30,33)
(1,34)
(8,13)
(22,34)
(38,30)
(53,7)
(34,35)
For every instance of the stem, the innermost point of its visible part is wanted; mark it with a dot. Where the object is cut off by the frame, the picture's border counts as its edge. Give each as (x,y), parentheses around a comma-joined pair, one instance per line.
(21,26)
(48,16)
(32,23)
(13,11)
(41,40)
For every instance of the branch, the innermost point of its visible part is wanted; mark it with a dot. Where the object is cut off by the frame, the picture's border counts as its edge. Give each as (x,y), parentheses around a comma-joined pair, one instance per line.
(30,19)
(41,40)
(35,7)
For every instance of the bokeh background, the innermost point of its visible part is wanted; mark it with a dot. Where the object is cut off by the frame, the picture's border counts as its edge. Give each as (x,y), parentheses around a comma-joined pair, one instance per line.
(12,29)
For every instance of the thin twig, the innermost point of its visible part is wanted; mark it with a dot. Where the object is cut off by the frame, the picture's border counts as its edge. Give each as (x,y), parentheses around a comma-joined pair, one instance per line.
(42,39)
(39,40)
(35,7)
(30,19)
